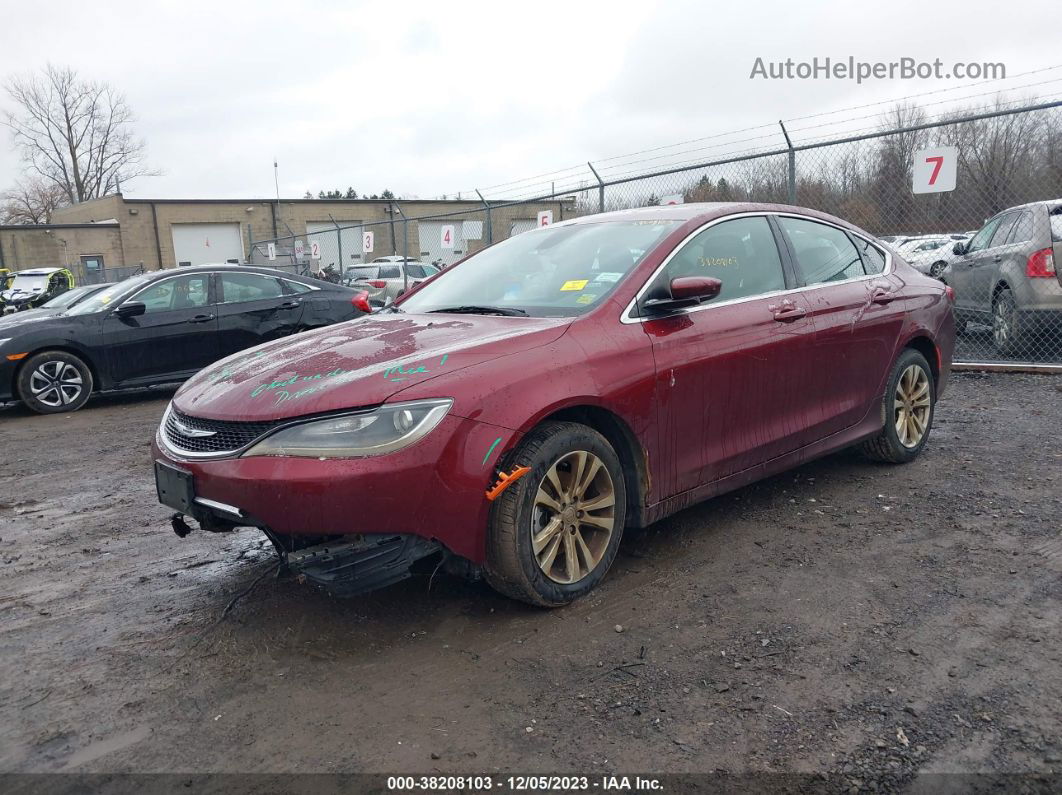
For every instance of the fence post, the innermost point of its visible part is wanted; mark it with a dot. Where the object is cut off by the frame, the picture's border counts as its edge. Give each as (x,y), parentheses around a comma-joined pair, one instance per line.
(792,164)
(600,188)
(490,230)
(339,242)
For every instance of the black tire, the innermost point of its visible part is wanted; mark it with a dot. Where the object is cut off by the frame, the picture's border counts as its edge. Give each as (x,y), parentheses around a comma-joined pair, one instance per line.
(1006,323)
(887,446)
(512,568)
(52,382)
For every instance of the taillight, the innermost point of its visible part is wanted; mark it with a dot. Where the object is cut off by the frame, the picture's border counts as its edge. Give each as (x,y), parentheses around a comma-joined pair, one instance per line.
(361,301)
(377,283)
(949,291)
(1041,265)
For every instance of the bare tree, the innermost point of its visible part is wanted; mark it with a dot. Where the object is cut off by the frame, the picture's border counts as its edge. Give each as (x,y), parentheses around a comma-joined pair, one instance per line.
(31,202)
(74,133)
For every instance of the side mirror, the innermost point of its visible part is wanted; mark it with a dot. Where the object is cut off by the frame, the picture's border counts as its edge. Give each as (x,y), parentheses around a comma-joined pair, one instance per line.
(685,291)
(958,248)
(130,309)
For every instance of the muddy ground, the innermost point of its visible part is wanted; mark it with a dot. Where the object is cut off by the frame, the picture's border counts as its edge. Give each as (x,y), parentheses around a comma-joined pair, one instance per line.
(865,621)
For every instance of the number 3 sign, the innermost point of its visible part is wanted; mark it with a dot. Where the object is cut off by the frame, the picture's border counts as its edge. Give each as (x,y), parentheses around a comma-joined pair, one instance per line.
(934,169)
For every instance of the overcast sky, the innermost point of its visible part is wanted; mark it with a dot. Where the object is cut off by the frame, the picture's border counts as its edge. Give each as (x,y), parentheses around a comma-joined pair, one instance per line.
(436,97)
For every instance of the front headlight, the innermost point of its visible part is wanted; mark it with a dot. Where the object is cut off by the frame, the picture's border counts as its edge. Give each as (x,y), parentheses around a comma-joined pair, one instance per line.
(384,430)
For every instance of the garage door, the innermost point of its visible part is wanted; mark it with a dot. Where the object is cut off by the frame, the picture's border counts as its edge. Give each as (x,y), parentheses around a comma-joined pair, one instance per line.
(336,248)
(204,244)
(521,225)
(431,243)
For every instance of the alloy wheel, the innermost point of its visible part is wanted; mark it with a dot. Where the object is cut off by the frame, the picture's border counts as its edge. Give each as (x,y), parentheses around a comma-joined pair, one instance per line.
(911,403)
(573,517)
(56,383)
(1001,324)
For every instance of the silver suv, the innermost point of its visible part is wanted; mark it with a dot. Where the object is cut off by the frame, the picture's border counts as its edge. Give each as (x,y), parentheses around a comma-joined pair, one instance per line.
(1007,276)
(387,278)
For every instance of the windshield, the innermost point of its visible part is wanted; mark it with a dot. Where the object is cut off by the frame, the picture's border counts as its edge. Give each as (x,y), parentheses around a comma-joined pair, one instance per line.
(557,271)
(30,284)
(70,297)
(105,298)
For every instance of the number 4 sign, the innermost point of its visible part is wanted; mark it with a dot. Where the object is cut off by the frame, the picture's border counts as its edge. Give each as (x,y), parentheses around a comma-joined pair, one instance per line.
(447,236)
(934,169)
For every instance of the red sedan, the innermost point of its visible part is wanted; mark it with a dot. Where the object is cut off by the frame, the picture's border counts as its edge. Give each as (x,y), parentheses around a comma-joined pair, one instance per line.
(515,413)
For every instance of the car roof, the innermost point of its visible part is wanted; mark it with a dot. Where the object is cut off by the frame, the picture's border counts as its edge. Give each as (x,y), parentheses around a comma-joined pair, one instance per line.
(38,271)
(706,211)
(264,271)
(1052,205)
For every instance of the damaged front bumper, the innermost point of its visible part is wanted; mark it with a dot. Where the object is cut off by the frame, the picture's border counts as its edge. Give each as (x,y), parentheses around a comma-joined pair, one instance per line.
(348,568)
(344,565)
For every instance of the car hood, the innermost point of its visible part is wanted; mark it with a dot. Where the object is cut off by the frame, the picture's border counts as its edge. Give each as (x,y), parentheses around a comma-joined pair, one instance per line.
(359,363)
(21,320)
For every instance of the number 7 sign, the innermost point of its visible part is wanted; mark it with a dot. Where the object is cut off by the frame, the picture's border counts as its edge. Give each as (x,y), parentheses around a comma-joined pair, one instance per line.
(934,170)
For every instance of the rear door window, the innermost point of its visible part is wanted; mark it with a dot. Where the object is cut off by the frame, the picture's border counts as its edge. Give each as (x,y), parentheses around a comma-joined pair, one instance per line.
(389,272)
(1005,224)
(414,270)
(873,257)
(824,253)
(1022,230)
(243,287)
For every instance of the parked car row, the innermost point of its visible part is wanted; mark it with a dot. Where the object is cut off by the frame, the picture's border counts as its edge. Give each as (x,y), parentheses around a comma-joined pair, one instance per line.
(387,278)
(159,327)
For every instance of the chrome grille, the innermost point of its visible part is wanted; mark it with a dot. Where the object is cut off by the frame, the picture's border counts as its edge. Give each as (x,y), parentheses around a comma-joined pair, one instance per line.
(225,436)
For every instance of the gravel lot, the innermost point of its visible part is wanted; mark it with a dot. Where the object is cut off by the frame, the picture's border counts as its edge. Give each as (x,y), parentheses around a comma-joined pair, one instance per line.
(864,621)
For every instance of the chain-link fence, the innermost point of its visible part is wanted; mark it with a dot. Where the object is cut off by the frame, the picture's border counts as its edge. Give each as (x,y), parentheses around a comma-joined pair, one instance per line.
(994,236)
(85,275)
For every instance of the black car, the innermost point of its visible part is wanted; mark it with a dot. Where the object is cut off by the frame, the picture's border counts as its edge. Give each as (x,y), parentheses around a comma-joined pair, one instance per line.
(160,327)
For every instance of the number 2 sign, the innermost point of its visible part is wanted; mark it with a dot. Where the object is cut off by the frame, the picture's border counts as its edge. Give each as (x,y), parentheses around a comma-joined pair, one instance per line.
(447,236)
(934,169)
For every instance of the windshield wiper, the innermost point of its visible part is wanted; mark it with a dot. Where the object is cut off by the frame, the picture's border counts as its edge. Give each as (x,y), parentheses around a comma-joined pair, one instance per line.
(473,309)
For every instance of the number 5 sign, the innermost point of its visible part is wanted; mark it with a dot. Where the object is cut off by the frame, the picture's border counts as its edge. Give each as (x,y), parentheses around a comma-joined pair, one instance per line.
(934,169)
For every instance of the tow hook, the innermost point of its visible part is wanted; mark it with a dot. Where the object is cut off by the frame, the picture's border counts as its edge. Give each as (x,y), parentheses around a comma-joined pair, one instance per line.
(180,527)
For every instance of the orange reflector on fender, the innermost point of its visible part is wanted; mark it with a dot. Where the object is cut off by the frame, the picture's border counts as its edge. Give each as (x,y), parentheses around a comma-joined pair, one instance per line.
(14,357)
(506,479)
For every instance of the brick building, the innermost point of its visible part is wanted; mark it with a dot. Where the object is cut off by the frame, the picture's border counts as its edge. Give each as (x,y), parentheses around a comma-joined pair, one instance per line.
(117,232)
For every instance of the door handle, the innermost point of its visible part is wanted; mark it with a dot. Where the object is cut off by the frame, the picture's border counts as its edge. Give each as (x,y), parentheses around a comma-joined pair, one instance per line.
(788,312)
(201,319)
(883,296)
(997,258)
(288,305)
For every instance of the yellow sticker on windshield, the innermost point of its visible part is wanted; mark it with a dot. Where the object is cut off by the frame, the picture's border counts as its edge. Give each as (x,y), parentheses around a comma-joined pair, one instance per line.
(586,298)
(105,298)
(576,284)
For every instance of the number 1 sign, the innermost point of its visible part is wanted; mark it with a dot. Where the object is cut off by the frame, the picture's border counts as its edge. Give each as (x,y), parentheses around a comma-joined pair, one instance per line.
(934,169)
